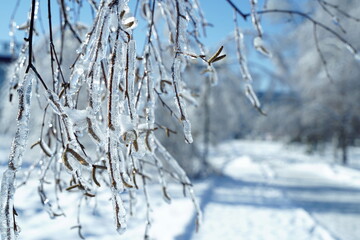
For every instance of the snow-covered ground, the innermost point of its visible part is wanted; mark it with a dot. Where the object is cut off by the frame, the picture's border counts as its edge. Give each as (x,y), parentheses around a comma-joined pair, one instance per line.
(263,190)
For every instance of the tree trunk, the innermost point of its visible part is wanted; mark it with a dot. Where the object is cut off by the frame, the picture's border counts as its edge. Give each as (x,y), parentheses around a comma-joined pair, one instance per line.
(344,154)
(343,146)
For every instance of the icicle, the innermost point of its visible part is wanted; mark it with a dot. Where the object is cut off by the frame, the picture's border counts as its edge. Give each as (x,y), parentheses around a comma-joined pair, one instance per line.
(162,180)
(251,95)
(181,26)
(126,181)
(112,165)
(258,41)
(119,213)
(113,22)
(77,80)
(172,162)
(187,130)
(148,208)
(131,61)
(7,195)
(142,146)
(119,71)
(162,71)
(96,89)
(197,208)
(259,46)
(242,56)
(176,71)
(21,135)
(8,227)
(149,105)
(255,19)
(19,67)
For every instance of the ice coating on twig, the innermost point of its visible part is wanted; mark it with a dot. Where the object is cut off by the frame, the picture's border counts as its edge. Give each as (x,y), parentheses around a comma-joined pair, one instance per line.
(239,38)
(100,117)
(8,226)
(260,47)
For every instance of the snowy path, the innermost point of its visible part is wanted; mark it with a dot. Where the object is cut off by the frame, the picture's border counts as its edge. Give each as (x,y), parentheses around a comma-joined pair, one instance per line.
(274,194)
(266,192)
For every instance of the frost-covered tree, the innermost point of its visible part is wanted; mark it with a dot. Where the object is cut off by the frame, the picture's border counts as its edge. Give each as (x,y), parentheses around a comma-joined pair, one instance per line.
(326,76)
(99,122)
(333,101)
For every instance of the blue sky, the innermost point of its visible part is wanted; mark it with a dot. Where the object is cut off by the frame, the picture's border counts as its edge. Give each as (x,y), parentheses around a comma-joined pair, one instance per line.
(217,12)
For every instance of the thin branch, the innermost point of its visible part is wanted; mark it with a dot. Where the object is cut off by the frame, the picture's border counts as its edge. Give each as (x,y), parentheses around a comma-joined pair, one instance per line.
(67,22)
(243,15)
(30,39)
(306,16)
(336,7)
(322,57)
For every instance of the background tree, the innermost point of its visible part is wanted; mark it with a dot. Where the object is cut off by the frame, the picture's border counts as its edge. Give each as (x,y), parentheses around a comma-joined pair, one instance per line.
(323,77)
(331,104)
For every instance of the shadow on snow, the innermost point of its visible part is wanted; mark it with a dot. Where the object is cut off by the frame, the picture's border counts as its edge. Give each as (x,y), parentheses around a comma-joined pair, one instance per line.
(239,192)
